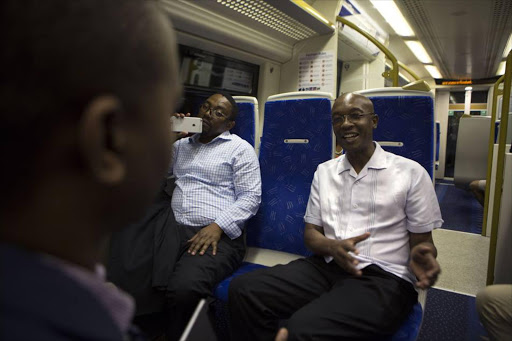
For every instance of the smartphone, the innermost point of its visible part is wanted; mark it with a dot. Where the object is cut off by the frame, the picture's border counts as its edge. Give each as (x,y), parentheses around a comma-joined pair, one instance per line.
(188,124)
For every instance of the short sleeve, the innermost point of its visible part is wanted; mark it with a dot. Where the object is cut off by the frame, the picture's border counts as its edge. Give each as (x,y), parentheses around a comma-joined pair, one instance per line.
(422,208)
(313,210)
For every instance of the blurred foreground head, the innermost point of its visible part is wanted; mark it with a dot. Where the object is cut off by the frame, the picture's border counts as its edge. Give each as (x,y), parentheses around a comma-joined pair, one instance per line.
(86,90)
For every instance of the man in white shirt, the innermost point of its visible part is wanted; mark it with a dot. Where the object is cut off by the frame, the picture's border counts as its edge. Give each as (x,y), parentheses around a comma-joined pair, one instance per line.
(368,222)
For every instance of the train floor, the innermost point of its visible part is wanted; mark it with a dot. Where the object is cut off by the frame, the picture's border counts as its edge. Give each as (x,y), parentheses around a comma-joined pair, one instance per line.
(450,311)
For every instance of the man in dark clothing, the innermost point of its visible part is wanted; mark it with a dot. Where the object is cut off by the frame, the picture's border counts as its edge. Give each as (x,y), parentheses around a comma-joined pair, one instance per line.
(86,90)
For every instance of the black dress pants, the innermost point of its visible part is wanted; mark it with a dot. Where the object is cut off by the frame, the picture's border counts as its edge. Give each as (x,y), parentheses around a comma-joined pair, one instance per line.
(195,277)
(320,300)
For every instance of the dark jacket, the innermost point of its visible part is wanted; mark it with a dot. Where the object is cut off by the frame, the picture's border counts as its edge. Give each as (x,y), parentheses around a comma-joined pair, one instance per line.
(40,302)
(142,256)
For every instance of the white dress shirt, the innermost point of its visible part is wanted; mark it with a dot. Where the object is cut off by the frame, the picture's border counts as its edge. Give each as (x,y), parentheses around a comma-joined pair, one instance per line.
(219,182)
(390,197)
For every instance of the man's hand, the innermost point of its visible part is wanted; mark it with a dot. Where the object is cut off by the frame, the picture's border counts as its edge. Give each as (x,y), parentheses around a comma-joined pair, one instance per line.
(424,265)
(282,335)
(201,241)
(181,134)
(339,250)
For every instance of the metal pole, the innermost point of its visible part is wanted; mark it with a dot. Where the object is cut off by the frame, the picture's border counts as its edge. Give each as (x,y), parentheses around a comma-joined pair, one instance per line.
(490,152)
(498,189)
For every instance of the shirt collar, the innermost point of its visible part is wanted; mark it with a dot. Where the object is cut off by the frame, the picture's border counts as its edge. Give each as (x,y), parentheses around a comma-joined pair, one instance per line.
(377,161)
(224,136)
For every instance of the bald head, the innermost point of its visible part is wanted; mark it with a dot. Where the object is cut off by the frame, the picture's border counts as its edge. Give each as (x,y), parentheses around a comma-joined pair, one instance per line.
(355,100)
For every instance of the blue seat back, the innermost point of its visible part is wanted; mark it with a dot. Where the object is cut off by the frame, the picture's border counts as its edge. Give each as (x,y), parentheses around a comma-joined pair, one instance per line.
(496,131)
(438,139)
(247,120)
(407,117)
(287,170)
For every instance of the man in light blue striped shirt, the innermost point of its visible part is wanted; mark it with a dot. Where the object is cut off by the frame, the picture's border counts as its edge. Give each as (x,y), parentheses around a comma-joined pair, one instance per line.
(218,188)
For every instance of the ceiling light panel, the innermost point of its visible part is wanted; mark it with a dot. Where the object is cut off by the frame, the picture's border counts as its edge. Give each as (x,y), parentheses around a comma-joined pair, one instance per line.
(501,69)
(419,51)
(508,47)
(393,16)
(270,16)
(434,72)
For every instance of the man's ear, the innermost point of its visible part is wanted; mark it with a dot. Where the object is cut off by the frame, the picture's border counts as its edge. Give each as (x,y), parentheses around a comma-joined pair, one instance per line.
(231,125)
(375,120)
(102,139)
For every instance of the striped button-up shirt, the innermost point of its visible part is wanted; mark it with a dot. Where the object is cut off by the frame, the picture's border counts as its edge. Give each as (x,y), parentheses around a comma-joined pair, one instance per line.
(217,182)
(390,197)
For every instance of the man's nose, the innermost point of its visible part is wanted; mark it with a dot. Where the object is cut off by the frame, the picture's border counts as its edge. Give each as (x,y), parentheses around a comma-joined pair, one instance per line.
(346,120)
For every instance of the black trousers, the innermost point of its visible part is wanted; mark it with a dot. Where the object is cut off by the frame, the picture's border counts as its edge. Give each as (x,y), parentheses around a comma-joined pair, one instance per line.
(320,300)
(195,277)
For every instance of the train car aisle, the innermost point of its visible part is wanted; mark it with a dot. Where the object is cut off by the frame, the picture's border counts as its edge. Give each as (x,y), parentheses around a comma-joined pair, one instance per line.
(460,210)
(450,311)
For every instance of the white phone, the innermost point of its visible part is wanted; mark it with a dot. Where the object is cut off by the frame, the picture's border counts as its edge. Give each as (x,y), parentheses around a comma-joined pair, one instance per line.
(188,124)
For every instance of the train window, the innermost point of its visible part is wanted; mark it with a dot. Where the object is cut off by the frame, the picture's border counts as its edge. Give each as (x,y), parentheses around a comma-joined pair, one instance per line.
(204,73)
(205,70)
(339,68)
(476,96)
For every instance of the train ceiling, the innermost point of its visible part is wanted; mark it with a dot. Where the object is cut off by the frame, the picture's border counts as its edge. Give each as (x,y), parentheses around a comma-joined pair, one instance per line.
(464,38)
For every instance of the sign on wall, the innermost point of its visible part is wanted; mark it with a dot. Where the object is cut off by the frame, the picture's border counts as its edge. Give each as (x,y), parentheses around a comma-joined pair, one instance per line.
(317,72)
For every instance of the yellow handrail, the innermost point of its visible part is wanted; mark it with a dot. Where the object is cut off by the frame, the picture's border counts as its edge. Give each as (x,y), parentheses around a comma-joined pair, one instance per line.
(393,73)
(409,71)
(507,84)
(490,152)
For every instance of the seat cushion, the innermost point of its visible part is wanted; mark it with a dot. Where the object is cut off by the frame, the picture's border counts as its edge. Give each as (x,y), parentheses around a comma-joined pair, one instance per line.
(221,292)
(411,327)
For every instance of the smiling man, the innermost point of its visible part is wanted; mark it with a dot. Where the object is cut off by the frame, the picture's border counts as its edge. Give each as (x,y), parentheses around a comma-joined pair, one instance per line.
(368,222)
(218,188)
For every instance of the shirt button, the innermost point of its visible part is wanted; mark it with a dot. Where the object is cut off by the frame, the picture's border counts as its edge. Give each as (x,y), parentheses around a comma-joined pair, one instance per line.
(355,206)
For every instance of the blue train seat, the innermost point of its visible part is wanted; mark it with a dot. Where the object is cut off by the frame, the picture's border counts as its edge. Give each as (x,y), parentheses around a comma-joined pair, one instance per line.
(247,122)
(297,137)
(410,329)
(496,130)
(406,123)
(438,142)
(509,129)
(438,138)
